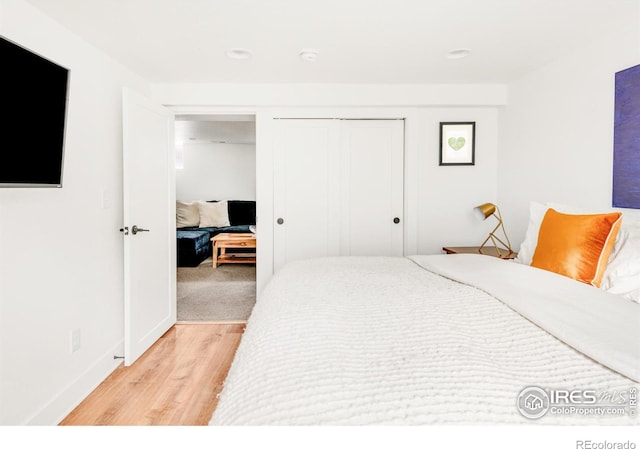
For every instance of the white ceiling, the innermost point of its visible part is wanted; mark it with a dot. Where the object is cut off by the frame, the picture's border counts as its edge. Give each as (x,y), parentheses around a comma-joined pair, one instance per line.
(359,41)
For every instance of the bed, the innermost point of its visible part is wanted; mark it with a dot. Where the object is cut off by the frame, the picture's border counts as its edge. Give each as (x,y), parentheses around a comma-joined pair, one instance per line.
(440,339)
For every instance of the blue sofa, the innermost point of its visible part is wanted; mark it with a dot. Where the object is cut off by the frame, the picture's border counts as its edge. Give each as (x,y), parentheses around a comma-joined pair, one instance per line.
(194,243)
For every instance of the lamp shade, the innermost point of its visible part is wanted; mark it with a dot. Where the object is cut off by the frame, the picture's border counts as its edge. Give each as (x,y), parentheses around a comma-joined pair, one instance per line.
(485,210)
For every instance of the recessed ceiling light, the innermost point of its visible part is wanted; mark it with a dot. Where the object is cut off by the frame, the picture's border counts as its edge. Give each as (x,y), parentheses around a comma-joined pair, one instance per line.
(458,53)
(309,54)
(238,53)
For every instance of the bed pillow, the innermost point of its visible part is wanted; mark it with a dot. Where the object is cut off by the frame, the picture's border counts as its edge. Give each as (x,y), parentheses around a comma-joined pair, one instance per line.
(187,214)
(528,246)
(214,215)
(576,246)
(622,276)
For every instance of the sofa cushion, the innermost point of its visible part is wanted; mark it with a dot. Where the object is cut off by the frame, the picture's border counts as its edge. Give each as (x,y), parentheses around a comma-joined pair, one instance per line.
(242,212)
(214,214)
(213,231)
(233,229)
(187,214)
(193,247)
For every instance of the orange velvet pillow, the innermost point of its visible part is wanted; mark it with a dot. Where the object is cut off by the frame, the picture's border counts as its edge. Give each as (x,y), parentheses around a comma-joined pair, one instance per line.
(576,246)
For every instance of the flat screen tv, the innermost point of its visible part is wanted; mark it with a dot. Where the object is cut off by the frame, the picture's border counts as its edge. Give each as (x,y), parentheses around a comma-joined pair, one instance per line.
(34,102)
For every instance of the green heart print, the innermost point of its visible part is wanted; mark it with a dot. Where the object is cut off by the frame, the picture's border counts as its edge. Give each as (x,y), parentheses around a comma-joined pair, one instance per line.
(456,143)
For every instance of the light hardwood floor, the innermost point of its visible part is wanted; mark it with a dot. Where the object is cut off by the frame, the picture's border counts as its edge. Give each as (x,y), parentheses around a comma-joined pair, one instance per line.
(176,382)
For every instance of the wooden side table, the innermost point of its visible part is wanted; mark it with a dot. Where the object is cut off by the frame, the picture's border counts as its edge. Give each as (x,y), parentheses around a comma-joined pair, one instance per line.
(487,251)
(228,240)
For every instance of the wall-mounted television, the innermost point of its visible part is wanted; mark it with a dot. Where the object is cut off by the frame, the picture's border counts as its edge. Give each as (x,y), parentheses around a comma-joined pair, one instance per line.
(34,102)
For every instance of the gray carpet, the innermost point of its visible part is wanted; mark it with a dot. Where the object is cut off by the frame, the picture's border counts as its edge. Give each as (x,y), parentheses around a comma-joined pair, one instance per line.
(227,293)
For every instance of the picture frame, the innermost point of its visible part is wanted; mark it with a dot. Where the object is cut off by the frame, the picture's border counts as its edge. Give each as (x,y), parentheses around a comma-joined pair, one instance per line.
(626,135)
(457,143)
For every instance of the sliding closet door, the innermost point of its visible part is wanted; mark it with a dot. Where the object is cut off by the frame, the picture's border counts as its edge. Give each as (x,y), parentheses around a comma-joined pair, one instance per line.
(305,189)
(372,187)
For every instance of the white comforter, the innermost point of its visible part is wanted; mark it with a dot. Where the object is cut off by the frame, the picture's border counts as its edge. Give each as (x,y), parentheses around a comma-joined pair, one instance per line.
(374,340)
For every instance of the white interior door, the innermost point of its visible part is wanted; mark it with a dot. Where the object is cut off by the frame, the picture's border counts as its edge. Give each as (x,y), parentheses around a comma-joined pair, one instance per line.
(149,220)
(306,157)
(372,187)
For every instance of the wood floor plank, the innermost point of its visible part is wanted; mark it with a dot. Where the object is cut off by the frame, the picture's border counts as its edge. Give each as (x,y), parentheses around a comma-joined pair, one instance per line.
(176,382)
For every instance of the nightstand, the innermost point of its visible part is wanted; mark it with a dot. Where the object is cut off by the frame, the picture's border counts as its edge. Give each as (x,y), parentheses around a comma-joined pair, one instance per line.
(487,251)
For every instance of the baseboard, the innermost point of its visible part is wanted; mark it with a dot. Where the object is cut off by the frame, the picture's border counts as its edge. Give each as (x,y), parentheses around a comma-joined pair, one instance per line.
(69,398)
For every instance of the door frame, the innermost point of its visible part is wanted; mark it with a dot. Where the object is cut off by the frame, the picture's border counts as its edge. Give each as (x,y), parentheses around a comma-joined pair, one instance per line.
(264,247)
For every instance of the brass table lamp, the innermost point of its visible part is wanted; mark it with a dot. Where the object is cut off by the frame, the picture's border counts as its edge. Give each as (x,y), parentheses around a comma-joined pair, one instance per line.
(483,212)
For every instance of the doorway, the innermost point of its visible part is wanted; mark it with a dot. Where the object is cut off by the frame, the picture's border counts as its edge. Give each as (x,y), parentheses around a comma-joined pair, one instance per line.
(215,198)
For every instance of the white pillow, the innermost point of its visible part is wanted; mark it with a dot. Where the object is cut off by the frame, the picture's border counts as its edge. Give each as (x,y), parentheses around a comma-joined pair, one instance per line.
(528,246)
(187,214)
(622,275)
(214,215)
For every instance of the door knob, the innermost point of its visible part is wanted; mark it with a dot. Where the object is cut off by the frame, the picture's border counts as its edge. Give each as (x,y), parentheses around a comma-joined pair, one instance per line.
(279,221)
(396,220)
(135,229)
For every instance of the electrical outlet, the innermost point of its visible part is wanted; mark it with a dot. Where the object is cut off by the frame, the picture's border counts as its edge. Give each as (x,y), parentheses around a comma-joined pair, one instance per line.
(75,340)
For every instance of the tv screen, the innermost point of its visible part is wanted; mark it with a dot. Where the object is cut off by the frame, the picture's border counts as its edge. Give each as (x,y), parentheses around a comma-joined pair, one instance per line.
(34,99)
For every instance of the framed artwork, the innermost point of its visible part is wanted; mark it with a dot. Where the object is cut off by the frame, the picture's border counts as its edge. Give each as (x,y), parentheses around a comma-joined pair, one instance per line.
(626,139)
(457,143)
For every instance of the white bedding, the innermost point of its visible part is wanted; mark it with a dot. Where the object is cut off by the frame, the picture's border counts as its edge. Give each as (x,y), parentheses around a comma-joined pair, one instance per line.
(374,340)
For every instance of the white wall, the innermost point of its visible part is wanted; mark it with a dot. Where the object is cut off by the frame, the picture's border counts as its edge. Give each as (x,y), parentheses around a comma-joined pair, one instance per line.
(556,133)
(438,200)
(447,194)
(329,95)
(217,171)
(60,249)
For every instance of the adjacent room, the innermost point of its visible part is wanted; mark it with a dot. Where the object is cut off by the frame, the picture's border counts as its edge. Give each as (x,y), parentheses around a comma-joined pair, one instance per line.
(338,213)
(216,218)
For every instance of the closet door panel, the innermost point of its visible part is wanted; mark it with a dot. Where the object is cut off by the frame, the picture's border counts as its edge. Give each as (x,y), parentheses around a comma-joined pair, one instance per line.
(372,187)
(305,190)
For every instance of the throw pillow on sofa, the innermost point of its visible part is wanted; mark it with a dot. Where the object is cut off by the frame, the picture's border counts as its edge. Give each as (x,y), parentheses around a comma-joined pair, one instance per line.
(214,215)
(187,214)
